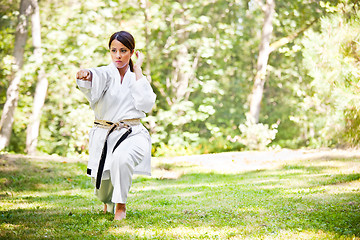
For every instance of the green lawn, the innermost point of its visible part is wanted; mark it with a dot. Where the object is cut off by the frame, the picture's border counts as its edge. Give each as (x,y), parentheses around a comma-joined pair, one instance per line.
(308,199)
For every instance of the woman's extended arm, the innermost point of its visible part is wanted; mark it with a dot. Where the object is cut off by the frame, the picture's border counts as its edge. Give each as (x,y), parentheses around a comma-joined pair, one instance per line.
(93,82)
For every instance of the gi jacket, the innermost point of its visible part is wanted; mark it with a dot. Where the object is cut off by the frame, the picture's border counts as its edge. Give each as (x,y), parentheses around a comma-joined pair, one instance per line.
(114,101)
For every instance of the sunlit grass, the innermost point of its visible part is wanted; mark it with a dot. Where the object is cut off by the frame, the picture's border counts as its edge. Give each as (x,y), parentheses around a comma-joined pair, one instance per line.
(305,199)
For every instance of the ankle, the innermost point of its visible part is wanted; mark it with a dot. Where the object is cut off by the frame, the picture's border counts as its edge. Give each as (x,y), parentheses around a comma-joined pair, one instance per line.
(121,207)
(120,212)
(105,208)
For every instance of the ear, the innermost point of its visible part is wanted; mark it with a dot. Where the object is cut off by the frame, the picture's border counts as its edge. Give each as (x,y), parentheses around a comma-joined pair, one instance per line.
(132,52)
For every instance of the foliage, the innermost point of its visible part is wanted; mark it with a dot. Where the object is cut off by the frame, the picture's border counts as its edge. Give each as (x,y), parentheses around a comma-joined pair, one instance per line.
(201,57)
(256,136)
(8,16)
(53,199)
(334,102)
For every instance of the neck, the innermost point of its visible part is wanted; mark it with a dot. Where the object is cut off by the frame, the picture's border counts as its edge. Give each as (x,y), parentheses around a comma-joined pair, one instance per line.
(122,71)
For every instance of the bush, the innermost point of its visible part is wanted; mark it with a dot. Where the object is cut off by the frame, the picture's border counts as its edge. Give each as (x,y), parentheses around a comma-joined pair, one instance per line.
(255,136)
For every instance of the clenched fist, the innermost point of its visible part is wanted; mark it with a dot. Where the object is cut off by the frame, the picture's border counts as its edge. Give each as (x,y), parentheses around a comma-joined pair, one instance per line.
(84,75)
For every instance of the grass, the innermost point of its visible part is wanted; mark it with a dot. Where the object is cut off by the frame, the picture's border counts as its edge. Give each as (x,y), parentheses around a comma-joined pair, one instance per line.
(307,199)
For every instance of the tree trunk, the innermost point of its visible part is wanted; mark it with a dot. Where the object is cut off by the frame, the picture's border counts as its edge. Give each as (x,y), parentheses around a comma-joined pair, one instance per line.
(12,94)
(144,4)
(184,66)
(32,131)
(264,52)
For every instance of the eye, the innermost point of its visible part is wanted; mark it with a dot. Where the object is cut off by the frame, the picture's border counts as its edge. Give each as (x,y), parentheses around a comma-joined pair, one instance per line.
(123,50)
(113,50)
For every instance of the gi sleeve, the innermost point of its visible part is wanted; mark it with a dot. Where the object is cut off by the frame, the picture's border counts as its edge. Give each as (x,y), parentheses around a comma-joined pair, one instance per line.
(94,89)
(143,94)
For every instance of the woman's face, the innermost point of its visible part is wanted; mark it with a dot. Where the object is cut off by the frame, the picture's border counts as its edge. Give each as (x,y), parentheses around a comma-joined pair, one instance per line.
(120,54)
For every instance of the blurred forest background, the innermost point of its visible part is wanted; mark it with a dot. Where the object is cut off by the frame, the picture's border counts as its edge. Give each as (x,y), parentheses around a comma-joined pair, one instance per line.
(229,75)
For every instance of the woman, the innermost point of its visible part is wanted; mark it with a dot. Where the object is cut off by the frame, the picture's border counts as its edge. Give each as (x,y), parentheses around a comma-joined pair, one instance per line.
(119,144)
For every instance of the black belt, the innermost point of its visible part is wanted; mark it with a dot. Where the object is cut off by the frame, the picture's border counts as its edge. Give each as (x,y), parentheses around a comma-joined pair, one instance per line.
(104,150)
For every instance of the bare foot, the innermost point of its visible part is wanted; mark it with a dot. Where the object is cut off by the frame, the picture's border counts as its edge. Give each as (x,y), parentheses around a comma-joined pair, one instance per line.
(120,211)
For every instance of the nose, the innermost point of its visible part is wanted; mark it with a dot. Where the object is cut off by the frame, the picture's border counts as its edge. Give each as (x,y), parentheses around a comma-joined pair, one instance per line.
(118,55)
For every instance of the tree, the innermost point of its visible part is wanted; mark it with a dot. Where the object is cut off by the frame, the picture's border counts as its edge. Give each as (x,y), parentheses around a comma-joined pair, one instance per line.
(266,48)
(262,61)
(12,94)
(41,87)
(332,103)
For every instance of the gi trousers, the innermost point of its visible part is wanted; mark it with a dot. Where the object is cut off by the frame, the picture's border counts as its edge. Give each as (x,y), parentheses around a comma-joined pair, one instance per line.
(116,182)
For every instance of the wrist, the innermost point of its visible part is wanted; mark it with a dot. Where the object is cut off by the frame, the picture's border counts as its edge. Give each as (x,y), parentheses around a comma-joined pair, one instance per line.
(137,68)
(138,72)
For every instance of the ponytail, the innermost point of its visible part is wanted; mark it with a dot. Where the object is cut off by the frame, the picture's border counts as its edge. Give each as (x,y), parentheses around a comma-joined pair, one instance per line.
(131,65)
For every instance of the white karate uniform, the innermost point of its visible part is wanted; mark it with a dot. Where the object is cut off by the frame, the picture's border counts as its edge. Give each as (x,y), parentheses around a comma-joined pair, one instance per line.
(114,101)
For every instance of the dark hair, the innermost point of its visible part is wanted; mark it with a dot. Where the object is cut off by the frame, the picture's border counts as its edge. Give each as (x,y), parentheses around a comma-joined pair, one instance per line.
(128,40)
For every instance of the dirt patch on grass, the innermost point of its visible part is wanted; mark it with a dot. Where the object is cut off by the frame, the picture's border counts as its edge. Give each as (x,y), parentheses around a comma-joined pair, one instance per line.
(231,162)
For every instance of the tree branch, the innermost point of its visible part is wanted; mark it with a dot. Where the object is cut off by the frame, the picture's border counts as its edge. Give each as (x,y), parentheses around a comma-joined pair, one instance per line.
(285,40)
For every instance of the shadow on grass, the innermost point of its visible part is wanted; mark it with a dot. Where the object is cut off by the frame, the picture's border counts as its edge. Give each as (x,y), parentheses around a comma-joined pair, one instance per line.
(26,175)
(54,201)
(53,224)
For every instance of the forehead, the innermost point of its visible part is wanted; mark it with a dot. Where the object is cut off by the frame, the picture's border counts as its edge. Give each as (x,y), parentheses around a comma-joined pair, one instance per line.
(117,44)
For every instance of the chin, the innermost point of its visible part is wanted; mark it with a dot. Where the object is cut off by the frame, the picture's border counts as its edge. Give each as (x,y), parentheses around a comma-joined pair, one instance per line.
(121,66)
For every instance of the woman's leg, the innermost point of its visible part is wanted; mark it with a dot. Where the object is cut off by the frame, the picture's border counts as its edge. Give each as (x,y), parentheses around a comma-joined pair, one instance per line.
(128,155)
(104,194)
